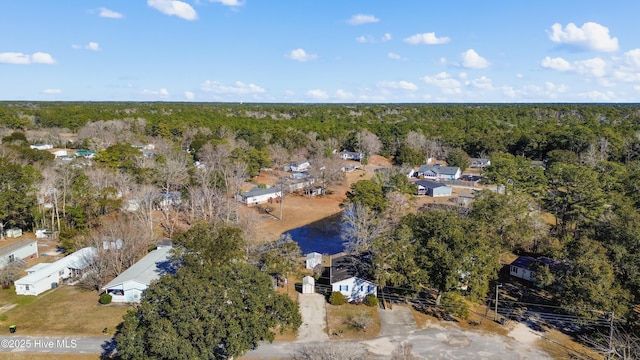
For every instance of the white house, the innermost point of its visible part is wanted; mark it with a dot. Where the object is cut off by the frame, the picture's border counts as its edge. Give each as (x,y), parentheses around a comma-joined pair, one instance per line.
(298,166)
(128,286)
(41,146)
(18,250)
(43,277)
(313,259)
(524,266)
(351,155)
(345,277)
(60,153)
(259,195)
(479,163)
(437,172)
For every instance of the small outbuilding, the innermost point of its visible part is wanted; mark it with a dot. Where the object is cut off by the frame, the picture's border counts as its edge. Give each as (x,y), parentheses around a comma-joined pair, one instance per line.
(308,285)
(14,232)
(313,259)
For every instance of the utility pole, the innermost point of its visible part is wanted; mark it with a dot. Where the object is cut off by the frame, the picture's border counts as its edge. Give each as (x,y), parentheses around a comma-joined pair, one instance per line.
(281,196)
(610,350)
(495,317)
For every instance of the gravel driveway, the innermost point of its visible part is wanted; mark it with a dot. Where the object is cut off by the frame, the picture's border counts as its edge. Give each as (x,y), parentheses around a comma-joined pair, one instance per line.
(314,318)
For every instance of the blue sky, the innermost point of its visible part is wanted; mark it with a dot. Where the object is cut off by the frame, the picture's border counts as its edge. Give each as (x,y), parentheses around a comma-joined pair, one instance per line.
(323,51)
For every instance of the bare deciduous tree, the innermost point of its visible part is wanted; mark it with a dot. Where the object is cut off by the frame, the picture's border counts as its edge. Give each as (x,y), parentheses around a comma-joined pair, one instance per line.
(368,142)
(363,225)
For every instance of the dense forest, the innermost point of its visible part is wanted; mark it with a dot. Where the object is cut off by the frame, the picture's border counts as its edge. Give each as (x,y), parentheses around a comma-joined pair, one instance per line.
(566,175)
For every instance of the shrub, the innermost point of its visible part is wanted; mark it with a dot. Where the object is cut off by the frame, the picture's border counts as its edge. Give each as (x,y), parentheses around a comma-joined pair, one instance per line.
(337,298)
(360,321)
(370,300)
(455,304)
(105,299)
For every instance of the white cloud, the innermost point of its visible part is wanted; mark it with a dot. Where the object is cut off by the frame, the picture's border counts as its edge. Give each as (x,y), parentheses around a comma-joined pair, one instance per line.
(636,87)
(93,46)
(22,59)
(362,19)
(427,38)
(386,37)
(471,59)
(395,56)
(558,64)
(365,39)
(591,36)
(228,2)
(106,13)
(343,95)
(163,93)
(237,88)
(463,75)
(318,94)
(482,83)
(403,85)
(445,82)
(52,91)
(596,67)
(174,8)
(189,95)
(301,55)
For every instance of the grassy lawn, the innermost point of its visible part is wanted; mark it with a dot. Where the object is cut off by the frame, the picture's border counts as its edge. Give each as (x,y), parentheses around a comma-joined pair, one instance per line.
(64,311)
(340,321)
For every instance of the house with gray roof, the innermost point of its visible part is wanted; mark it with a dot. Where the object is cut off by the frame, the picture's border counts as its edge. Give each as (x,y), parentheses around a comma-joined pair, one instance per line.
(128,286)
(45,276)
(437,172)
(259,195)
(432,188)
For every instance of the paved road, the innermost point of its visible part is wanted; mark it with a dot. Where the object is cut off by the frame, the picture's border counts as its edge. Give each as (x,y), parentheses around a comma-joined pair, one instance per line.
(435,342)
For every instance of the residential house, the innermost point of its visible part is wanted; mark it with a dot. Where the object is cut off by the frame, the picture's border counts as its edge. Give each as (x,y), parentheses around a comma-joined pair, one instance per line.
(87,154)
(438,172)
(41,146)
(259,195)
(313,259)
(345,276)
(524,267)
(17,250)
(351,155)
(128,286)
(298,166)
(169,199)
(479,163)
(432,188)
(43,277)
(60,153)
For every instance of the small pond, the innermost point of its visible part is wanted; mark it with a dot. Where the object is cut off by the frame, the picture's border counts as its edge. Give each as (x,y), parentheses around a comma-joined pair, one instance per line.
(322,236)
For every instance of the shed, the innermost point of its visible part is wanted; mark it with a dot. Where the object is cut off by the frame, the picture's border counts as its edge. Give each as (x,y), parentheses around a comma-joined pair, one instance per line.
(14,232)
(313,259)
(308,285)
(128,286)
(48,276)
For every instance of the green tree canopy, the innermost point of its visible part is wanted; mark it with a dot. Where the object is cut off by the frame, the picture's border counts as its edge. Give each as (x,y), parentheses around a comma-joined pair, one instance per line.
(215,308)
(369,193)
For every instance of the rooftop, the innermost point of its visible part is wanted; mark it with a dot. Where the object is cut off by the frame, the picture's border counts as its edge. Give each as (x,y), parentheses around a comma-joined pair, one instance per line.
(149,268)
(10,245)
(345,267)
